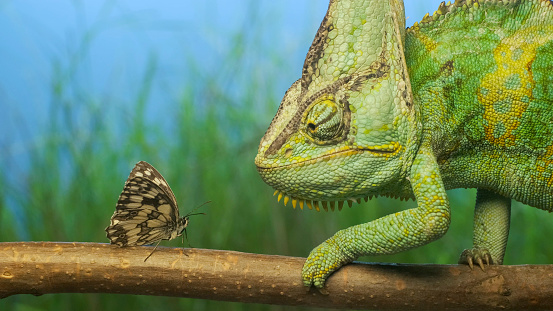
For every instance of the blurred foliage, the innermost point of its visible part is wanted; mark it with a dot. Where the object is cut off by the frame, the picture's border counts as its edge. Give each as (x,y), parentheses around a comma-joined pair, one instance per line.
(204,145)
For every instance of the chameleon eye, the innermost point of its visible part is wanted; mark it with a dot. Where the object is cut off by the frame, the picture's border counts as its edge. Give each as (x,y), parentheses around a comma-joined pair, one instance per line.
(323,120)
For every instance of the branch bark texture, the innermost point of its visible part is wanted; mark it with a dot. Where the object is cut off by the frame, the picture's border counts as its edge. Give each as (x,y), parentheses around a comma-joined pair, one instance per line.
(50,267)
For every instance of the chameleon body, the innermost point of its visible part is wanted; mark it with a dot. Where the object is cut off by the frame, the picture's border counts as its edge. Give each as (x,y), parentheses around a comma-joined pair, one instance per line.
(463,99)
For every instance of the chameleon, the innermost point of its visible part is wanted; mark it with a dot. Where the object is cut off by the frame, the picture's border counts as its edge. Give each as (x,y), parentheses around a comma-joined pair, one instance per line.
(462,99)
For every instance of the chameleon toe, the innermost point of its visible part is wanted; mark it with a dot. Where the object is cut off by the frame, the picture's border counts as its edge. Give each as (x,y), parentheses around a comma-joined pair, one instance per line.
(479,255)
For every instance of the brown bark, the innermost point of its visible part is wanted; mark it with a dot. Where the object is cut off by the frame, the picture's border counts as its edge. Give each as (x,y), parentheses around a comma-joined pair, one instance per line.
(49,267)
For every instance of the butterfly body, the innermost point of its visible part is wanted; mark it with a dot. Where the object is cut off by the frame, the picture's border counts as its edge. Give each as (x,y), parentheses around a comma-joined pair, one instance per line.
(146,211)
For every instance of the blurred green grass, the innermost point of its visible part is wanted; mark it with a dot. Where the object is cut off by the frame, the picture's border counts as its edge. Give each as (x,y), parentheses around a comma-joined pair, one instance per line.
(206,152)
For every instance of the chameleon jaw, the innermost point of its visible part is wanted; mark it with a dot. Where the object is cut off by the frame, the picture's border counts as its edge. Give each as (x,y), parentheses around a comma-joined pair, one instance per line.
(269,168)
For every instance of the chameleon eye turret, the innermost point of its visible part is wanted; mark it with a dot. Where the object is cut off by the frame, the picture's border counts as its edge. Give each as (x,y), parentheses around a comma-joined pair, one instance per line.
(323,121)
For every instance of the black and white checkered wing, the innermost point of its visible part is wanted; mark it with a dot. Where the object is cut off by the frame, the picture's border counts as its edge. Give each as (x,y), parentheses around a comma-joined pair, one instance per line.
(146,211)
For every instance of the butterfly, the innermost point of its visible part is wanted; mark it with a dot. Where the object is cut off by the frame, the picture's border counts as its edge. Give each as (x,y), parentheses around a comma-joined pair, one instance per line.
(147,211)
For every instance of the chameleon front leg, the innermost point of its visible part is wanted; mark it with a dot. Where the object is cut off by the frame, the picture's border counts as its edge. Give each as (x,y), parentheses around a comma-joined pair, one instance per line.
(492,218)
(390,234)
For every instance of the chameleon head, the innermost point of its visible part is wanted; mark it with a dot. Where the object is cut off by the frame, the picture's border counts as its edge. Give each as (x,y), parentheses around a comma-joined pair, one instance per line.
(342,130)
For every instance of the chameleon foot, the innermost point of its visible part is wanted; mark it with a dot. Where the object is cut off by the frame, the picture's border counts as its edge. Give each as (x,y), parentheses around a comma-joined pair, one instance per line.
(321,263)
(479,255)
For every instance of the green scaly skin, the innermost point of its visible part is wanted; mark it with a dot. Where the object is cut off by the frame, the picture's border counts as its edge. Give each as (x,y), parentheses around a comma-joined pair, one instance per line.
(462,99)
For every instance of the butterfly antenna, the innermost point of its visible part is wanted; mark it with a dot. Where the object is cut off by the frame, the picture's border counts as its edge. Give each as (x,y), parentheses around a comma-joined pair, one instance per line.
(152,251)
(194,214)
(192,211)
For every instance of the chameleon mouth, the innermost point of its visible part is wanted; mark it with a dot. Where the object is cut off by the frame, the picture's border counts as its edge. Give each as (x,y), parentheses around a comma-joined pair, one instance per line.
(379,151)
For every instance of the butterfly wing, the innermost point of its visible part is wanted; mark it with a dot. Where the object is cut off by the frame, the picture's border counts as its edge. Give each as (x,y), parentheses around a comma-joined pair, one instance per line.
(146,211)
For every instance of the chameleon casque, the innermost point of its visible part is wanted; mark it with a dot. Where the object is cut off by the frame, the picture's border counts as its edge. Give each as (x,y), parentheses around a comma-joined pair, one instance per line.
(463,99)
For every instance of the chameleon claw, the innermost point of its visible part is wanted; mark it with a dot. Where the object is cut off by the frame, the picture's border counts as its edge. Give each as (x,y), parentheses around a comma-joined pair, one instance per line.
(323,291)
(469,261)
(309,284)
(479,256)
(480,263)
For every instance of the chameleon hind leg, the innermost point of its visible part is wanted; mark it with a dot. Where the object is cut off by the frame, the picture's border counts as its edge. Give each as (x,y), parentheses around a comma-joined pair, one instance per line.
(492,217)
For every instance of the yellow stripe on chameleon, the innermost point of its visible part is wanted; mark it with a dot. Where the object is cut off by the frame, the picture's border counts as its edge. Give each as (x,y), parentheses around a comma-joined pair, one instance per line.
(505,93)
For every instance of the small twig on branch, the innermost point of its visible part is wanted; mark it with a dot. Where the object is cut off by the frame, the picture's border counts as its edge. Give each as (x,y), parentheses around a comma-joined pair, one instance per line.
(48,267)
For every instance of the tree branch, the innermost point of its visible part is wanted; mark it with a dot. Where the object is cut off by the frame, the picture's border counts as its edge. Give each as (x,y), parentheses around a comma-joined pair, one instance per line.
(49,267)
